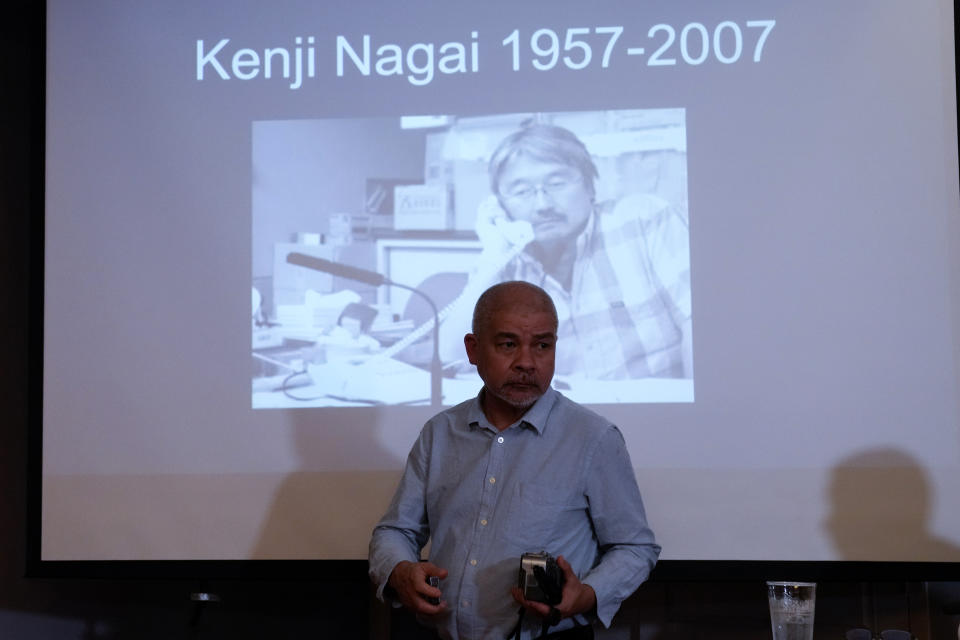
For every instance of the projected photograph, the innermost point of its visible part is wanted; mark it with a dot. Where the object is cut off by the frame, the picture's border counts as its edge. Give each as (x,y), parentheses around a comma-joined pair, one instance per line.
(373,238)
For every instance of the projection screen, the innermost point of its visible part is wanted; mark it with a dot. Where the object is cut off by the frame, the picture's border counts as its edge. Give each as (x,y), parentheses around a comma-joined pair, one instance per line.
(783,175)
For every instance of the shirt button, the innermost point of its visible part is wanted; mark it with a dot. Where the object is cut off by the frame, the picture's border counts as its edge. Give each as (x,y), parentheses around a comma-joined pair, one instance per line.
(483,522)
(465,603)
(473,563)
(500,439)
(493,480)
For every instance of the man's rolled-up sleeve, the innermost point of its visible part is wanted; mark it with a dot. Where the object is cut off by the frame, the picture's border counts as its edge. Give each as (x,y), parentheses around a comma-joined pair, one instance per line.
(627,545)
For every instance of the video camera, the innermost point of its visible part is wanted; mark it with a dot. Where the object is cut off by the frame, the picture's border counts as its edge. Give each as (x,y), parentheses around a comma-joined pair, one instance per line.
(540,578)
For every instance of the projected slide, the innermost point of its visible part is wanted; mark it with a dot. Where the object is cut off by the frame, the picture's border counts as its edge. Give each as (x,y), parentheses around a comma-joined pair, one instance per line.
(592,206)
(746,212)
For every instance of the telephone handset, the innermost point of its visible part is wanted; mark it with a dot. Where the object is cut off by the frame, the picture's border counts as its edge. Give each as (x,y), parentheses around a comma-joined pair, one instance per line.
(498,233)
(503,240)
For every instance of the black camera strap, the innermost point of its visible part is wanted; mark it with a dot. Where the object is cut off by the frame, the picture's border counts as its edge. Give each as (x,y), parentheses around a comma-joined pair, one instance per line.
(547,623)
(515,632)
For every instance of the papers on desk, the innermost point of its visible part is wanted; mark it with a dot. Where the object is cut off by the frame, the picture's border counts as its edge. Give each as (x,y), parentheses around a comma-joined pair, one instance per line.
(302,392)
(345,383)
(374,380)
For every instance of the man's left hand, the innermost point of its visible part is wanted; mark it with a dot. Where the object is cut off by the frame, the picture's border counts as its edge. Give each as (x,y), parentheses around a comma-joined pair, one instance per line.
(576,597)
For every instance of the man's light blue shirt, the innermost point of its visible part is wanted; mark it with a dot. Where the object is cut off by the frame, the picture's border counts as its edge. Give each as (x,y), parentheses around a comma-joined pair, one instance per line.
(558,480)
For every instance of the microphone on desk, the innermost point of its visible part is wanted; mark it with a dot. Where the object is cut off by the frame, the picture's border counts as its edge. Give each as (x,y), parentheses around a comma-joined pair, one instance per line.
(339,269)
(376,279)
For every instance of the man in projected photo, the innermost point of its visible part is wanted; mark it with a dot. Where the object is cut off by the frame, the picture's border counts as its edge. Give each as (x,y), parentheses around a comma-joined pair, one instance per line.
(618,272)
(517,469)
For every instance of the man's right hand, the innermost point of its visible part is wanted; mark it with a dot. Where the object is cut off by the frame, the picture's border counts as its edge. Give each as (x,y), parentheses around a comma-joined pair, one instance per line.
(409,581)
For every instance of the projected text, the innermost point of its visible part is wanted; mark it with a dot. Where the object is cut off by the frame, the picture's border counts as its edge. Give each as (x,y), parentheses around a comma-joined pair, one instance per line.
(541,50)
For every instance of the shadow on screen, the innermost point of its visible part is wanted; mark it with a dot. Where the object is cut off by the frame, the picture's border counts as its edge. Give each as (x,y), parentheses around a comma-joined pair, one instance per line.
(880,508)
(313,514)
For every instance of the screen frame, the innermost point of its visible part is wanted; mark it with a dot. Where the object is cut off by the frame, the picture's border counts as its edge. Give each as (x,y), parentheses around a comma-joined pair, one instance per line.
(33,138)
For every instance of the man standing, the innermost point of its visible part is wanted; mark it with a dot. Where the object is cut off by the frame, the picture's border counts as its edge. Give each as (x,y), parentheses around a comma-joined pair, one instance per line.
(619,272)
(518,469)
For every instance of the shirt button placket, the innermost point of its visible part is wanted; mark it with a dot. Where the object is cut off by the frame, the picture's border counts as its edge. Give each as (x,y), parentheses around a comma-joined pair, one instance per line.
(487,500)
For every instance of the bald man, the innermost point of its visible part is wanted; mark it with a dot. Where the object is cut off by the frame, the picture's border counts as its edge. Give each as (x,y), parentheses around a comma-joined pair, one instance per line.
(517,469)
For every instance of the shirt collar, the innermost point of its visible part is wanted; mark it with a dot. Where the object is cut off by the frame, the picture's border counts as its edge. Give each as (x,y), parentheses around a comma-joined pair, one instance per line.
(585,239)
(535,417)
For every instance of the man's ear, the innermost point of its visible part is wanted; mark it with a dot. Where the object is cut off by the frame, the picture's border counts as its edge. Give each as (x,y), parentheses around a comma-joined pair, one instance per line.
(470,342)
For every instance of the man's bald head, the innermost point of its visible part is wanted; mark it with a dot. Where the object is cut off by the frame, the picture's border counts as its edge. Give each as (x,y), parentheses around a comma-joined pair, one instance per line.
(516,296)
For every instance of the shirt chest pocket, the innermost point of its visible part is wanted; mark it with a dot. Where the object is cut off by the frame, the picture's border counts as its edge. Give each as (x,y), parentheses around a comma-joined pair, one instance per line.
(540,517)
